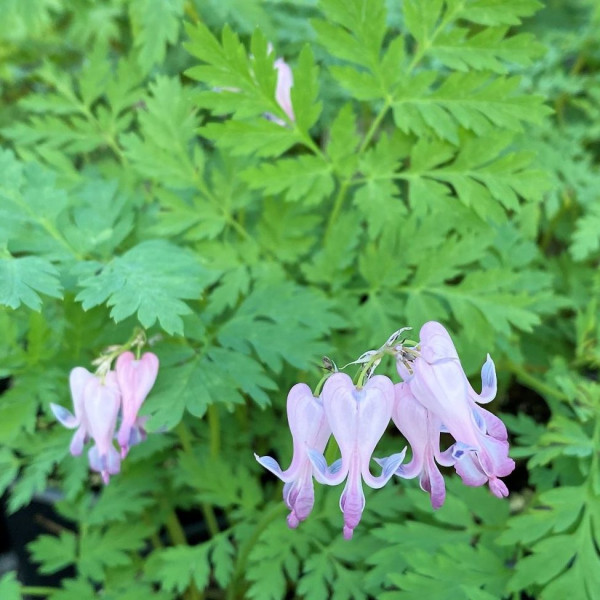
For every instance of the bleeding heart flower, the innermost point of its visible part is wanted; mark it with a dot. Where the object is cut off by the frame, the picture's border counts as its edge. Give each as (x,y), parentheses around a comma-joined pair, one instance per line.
(358,418)
(135,378)
(439,383)
(309,429)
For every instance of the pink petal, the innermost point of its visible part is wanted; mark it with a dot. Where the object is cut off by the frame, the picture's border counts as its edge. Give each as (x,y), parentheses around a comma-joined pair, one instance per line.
(135,379)
(285,81)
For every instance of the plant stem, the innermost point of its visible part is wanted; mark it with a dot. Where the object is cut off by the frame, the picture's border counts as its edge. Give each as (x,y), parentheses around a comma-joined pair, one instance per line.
(215,430)
(534,383)
(246,547)
(186,442)
(175,529)
(35,590)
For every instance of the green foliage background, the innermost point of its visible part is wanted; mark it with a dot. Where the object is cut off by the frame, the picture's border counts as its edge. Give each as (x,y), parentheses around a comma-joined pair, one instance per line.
(443,164)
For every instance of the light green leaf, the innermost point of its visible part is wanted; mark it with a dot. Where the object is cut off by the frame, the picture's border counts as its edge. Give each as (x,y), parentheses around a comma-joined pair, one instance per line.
(21,279)
(155,23)
(152,279)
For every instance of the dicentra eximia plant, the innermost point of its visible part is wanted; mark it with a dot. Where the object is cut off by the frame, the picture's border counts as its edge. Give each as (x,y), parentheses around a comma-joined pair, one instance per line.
(257,183)
(434,397)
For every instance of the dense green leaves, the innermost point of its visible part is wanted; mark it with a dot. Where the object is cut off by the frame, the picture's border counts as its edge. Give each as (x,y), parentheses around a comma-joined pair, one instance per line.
(438,161)
(152,279)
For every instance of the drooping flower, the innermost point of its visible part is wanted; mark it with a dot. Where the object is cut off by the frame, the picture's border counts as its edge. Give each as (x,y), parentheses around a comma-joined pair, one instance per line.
(78,379)
(439,383)
(102,400)
(421,428)
(135,379)
(358,418)
(309,428)
(96,402)
(285,81)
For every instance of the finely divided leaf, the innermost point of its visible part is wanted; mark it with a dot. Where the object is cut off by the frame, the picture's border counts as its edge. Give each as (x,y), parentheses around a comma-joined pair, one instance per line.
(22,278)
(152,279)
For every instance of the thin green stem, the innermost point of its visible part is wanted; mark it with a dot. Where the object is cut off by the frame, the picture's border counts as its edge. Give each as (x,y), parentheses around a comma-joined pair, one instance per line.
(214,425)
(246,547)
(422,49)
(374,125)
(185,438)
(36,590)
(175,529)
(178,538)
(337,206)
(341,195)
(534,383)
(595,466)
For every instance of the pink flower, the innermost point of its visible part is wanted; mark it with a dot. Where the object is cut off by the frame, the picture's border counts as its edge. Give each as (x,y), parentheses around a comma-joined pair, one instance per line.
(78,379)
(422,430)
(96,403)
(285,81)
(135,378)
(309,429)
(439,383)
(102,400)
(358,418)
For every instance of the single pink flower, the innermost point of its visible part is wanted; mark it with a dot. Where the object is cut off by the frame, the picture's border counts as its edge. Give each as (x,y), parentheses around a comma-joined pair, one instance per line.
(78,379)
(135,378)
(102,400)
(421,428)
(309,429)
(285,82)
(358,418)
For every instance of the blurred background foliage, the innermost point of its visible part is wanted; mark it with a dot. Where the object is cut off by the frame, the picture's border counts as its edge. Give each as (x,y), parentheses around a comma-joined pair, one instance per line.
(442,165)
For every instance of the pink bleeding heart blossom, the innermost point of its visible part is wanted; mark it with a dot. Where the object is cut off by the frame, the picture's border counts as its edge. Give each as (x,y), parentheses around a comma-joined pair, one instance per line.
(135,378)
(285,82)
(421,428)
(358,418)
(309,428)
(102,400)
(78,379)
(439,383)
(96,403)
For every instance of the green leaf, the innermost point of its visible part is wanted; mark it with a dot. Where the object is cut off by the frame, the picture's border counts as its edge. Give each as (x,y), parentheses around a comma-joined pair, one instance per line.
(586,238)
(9,467)
(305,178)
(9,587)
(483,174)
(470,100)
(482,576)
(260,137)
(155,23)
(165,151)
(306,315)
(492,12)
(21,278)
(550,558)
(112,546)
(152,279)
(207,378)
(488,49)
(305,91)
(177,568)
(54,553)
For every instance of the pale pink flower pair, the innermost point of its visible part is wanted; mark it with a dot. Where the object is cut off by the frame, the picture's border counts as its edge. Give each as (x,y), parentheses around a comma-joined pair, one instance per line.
(357,418)
(97,401)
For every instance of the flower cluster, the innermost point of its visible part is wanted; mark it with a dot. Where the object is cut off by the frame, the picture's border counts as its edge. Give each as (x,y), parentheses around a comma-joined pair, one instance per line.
(434,397)
(97,400)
